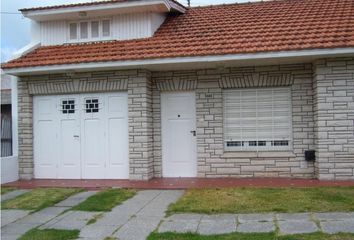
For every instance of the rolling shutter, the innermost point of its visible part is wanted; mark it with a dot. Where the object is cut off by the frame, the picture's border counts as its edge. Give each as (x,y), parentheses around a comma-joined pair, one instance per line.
(257,119)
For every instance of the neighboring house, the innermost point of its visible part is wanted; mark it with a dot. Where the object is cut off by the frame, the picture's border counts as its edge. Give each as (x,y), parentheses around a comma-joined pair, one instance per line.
(9,161)
(149,88)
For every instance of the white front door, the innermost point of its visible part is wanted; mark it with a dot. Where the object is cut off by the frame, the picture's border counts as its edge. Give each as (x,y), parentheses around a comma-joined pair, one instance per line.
(81,136)
(178,111)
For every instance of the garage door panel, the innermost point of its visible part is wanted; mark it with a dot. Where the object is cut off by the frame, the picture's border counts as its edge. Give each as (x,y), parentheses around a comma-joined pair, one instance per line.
(69,150)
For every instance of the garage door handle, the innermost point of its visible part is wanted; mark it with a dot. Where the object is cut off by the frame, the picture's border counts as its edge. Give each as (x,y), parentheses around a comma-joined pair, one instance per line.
(194,133)
(76,136)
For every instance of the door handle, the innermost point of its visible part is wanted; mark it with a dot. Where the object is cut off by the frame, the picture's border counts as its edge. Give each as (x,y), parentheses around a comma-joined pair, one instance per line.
(194,133)
(76,136)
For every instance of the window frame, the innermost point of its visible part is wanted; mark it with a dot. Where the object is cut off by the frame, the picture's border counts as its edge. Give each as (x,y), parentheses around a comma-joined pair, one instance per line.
(244,143)
(89,28)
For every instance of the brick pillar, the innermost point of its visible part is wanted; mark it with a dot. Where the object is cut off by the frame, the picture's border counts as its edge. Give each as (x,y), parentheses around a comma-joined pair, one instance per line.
(140,126)
(334,118)
(25,131)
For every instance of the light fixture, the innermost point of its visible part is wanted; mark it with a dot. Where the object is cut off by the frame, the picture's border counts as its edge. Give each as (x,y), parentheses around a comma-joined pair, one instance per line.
(82,14)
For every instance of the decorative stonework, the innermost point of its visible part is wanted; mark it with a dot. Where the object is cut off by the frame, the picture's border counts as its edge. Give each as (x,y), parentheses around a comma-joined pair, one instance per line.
(177,85)
(245,80)
(76,86)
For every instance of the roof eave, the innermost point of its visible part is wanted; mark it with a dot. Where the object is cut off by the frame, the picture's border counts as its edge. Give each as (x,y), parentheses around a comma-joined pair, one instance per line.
(206,61)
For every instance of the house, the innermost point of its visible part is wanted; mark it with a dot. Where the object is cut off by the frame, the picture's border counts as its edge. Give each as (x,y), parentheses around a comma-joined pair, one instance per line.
(136,89)
(9,161)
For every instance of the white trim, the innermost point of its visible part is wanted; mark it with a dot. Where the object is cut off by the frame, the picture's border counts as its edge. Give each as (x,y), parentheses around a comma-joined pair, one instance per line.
(26,49)
(96,7)
(181,60)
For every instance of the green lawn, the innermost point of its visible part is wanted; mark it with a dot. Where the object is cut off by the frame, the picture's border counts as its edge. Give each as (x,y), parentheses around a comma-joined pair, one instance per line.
(254,200)
(6,190)
(39,198)
(250,236)
(105,200)
(50,234)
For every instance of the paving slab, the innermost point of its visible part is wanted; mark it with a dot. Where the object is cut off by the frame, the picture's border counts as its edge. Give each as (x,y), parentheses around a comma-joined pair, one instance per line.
(42,216)
(297,227)
(12,215)
(255,217)
(256,227)
(17,229)
(332,227)
(217,224)
(138,228)
(70,220)
(334,216)
(97,231)
(13,194)
(293,216)
(75,199)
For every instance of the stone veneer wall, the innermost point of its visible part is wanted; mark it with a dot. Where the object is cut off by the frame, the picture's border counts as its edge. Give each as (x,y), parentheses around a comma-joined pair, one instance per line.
(334,118)
(138,84)
(213,161)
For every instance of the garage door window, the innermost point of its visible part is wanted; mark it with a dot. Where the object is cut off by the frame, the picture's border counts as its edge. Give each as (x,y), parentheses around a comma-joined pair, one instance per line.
(257,119)
(92,105)
(68,106)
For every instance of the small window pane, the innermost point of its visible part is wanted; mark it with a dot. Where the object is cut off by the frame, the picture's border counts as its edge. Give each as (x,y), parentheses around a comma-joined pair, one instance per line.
(106,28)
(73,31)
(84,30)
(95,29)
(92,105)
(68,106)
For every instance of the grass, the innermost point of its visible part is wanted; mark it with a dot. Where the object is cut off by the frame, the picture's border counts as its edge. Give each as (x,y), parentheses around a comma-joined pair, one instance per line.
(39,198)
(94,219)
(105,200)
(50,234)
(250,236)
(255,200)
(6,190)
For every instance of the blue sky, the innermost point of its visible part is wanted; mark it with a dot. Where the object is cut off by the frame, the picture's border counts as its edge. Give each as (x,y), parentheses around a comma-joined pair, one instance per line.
(15,30)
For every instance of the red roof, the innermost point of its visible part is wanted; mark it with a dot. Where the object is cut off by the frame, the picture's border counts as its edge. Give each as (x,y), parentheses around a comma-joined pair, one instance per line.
(218,30)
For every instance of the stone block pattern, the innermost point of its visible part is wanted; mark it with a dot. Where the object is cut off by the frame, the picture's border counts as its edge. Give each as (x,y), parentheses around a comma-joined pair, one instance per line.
(213,161)
(334,118)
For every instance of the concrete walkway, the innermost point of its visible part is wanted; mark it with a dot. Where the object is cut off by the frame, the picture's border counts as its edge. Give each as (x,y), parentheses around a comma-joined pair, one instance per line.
(16,227)
(13,194)
(135,219)
(255,223)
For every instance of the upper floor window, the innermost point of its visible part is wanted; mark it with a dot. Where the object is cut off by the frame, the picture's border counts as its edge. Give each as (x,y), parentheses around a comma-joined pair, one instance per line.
(90,30)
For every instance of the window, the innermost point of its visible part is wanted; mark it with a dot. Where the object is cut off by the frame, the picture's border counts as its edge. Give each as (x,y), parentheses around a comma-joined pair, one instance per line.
(73,31)
(68,106)
(95,29)
(92,105)
(106,25)
(84,30)
(257,119)
(90,30)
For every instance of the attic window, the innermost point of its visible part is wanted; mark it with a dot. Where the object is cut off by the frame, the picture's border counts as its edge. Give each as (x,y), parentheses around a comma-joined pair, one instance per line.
(89,30)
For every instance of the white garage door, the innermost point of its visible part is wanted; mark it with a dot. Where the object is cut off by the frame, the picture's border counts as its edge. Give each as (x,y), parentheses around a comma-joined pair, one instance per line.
(83,136)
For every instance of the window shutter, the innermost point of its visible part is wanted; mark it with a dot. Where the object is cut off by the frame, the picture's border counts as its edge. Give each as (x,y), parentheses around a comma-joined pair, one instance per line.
(257,119)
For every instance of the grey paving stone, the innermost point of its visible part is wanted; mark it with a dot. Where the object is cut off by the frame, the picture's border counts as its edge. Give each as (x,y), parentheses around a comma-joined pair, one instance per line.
(138,228)
(13,194)
(17,229)
(295,227)
(255,217)
(179,226)
(185,217)
(331,227)
(293,216)
(70,220)
(217,224)
(12,215)
(10,236)
(334,216)
(42,216)
(97,231)
(75,199)
(256,227)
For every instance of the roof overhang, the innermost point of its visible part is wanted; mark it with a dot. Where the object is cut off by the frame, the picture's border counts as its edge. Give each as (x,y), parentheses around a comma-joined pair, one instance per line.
(185,63)
(101,9)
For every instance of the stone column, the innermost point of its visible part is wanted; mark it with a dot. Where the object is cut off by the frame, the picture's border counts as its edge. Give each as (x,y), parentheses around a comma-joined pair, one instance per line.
(25,131)
(140,126)
(334,118)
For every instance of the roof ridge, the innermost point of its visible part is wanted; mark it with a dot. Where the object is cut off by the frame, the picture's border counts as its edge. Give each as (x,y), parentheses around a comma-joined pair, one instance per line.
(245,3)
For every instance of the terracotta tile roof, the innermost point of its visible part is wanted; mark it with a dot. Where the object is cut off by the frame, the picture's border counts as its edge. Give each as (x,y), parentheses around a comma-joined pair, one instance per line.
(82,4)
(217,30)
